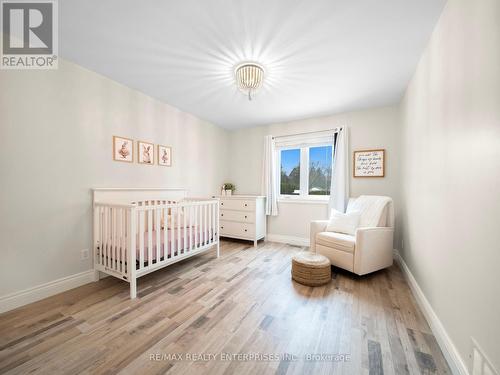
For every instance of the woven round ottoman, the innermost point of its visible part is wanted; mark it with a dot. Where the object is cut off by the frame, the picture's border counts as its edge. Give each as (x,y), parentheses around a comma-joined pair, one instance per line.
(311,269)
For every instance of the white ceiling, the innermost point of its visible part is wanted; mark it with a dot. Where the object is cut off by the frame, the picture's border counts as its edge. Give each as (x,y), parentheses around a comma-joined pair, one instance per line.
(321,56)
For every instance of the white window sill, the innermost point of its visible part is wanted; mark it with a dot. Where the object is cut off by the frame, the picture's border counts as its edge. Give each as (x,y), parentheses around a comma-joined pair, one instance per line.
(301,200)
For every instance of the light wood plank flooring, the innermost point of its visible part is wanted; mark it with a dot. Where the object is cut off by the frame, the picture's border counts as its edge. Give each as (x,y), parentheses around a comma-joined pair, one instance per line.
(243,303)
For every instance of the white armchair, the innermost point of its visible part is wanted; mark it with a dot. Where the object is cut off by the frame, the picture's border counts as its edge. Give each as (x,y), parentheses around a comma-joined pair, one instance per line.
(370,249)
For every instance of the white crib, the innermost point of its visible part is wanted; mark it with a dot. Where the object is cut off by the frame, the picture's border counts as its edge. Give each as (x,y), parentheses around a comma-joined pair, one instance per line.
(138,231)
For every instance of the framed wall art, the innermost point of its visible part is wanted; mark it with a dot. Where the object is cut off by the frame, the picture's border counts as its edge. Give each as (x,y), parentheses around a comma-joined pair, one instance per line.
(165,156)
(369,163)
(123,149)
(146,152)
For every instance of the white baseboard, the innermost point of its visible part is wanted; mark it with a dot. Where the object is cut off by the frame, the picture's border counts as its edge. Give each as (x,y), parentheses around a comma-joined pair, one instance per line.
(449,350)
(291,240)
(24,297)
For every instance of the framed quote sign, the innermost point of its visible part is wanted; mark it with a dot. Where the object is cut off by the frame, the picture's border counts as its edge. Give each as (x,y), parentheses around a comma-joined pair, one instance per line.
(369,163)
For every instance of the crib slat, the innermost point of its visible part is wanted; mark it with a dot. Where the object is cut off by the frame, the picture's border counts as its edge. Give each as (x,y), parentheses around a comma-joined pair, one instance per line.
(179,238)
(101,235)
(201,226)
(204,207)
(126,221)
(165,234)
(190,228)
(200,243)
(106,236)
(172,232)
(150,236)
(119,243)
(110,235)
(118,238)
(213,223)
(216,216)
(209,223)
(204,224)
(158,233)
(141,239)
(122,236)
(195,226)
(110,238)
(207,216)
(200,230)
(212,219)
(184,238)
(113,238)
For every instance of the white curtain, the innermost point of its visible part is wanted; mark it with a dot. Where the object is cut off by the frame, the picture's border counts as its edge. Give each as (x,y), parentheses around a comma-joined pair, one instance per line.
(339,188)
(269,176)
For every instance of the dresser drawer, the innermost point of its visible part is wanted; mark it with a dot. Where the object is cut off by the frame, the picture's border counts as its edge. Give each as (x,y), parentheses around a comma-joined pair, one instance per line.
(230,228)
(237,204)
(240,216)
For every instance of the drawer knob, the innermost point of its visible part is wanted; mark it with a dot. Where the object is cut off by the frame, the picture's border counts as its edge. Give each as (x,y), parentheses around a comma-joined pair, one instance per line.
(221,227)
(246,205)
(245,216)
(221,214)
(245,230)
(222,204)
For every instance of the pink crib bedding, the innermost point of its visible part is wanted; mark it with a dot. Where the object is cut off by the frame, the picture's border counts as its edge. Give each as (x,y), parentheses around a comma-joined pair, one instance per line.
(197,237)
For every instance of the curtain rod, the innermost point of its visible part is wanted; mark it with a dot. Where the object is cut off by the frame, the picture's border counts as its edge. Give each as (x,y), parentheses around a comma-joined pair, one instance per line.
(312,132)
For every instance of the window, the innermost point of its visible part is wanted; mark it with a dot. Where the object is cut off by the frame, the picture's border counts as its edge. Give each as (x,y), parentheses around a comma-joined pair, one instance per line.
(320,170)
(290,172)
(305,167)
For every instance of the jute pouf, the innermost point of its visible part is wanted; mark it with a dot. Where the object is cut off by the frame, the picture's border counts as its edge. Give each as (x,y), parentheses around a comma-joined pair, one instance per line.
(311,269)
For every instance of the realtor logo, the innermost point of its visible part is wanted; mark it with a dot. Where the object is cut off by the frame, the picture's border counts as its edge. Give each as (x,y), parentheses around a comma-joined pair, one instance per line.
(29,34)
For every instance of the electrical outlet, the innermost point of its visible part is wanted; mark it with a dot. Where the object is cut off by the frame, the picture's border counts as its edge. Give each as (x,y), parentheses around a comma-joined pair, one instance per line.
(84,254)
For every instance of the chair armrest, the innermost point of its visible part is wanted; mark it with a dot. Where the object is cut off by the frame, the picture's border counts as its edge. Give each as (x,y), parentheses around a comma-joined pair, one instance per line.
(373,250)
(317,226)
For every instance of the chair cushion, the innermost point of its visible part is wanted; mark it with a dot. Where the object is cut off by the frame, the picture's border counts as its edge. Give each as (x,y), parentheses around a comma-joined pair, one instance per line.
(343,223)
(339,241)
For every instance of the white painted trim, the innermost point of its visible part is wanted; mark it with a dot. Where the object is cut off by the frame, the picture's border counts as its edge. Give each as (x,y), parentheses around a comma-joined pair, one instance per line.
(302,200)
(36,293)
(138,189)
(291,240)
(450,352)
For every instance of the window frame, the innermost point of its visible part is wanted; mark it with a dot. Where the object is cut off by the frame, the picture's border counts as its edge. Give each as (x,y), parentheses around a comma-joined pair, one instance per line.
(304,174)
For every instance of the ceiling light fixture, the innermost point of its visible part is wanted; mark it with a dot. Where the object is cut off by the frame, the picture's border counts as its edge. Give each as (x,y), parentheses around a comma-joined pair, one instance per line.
(249,77)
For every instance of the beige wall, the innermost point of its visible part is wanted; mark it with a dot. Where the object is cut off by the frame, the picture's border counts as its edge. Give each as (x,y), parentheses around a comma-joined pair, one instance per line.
(372,128)
(56,129)
(451,174)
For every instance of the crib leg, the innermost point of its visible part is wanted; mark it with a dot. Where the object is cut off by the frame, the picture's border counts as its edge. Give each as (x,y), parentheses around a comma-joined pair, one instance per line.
(218,249)
(133,288)
(96,276)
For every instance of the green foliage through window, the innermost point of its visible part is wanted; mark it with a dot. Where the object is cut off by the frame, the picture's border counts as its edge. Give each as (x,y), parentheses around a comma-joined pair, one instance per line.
(290,172)
(316,176)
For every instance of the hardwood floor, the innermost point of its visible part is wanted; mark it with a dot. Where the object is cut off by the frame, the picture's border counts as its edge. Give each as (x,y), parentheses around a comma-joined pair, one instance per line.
(242,304)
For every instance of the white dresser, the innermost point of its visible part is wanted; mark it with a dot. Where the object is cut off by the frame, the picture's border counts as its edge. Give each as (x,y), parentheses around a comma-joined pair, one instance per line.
(243,217)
